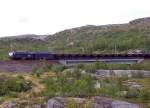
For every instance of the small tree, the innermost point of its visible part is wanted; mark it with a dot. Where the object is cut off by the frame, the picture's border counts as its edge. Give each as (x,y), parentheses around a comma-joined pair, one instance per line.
(35,72)
(57,68)
(76,73)
(80,66)
(46,67)
(132,93)
(144,96)
(90,68)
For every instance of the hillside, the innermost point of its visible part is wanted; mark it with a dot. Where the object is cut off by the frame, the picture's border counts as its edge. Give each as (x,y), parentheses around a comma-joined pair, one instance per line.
(116,38)
(22,43)
(104,39)
(47,84)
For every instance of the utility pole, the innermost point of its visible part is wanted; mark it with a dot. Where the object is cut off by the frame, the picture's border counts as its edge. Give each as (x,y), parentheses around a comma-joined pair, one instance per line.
(11,47)
(115,48)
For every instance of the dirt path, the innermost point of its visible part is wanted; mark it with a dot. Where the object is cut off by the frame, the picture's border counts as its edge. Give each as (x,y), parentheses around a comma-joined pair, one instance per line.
(35,81)
(22,65)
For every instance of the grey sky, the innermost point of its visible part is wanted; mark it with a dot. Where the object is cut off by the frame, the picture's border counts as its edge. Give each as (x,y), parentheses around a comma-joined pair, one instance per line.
(50,16)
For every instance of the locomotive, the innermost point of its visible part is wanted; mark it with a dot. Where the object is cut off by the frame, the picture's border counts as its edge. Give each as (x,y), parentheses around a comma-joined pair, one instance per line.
(30,55)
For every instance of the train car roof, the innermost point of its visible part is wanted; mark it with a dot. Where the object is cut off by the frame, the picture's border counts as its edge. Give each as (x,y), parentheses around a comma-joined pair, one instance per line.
(23,52)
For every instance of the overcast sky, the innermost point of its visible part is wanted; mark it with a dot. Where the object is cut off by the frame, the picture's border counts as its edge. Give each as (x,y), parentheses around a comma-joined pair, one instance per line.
(50,16)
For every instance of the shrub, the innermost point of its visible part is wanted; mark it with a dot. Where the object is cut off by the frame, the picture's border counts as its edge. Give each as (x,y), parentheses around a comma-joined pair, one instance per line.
(80,66)
(36,72)
(76,73)
(58,68)
(132,93)
(20,76)
(71,104)
(46,67)
(144,96)
(111,86)
(14,85)
(90,68)
(69,85)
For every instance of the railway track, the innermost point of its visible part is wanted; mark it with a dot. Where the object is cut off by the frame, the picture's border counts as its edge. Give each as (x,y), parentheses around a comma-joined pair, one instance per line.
(27,65)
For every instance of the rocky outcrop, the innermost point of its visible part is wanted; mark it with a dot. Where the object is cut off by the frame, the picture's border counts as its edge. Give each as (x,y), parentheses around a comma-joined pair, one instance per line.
(121,73)
(95,102)
(59,102)
(103,102)
(98,102)
(133,85)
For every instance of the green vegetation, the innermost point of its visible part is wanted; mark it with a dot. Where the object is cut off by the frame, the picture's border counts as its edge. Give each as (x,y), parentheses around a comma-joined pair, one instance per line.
(57,68)
(72,104)
(108,66)
(13,85)
(69,84)
(92,39)
(76,83)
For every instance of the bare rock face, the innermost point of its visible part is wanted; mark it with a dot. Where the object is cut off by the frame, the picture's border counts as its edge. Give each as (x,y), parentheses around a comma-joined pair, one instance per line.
(133,85)
(122,104)
(121,73)
(103,102)
(98,102)
(59,102)
(95,105)
(141,21)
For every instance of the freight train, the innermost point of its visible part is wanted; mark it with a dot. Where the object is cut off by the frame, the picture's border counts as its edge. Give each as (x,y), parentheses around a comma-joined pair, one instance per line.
(53,56)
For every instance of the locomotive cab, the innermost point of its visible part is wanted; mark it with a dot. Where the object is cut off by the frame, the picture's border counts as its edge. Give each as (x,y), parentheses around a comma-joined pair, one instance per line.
(10,54)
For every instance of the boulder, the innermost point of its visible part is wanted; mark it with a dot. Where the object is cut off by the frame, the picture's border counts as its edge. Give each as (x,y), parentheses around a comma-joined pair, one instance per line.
(52,103)
(39,106)
(132,84)
(95,105)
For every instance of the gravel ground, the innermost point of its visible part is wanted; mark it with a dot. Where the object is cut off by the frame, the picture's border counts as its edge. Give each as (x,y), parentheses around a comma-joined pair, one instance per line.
(22,65)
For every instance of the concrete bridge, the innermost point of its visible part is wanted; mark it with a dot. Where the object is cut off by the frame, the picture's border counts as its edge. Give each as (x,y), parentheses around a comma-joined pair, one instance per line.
(71,62)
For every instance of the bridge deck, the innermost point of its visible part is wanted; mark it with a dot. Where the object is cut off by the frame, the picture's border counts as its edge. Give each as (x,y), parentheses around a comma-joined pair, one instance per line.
(70,62)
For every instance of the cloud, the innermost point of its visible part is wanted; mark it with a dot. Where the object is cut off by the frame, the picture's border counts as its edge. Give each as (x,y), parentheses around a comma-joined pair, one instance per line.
(23,20)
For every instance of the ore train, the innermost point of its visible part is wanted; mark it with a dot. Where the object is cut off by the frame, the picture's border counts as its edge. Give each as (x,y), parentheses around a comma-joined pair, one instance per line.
(53,56)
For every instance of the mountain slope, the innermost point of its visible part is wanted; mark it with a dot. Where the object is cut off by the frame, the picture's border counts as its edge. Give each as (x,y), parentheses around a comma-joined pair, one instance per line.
(104,39)
(87,39)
